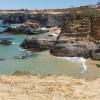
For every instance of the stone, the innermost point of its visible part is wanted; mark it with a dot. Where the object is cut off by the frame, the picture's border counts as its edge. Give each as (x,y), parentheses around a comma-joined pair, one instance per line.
(5,42)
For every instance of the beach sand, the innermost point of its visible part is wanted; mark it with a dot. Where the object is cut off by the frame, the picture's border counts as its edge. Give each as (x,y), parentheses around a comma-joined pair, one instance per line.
(92,70)
(48,88)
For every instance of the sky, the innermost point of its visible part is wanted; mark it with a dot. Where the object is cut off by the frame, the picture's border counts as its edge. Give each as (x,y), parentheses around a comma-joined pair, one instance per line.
(43,4)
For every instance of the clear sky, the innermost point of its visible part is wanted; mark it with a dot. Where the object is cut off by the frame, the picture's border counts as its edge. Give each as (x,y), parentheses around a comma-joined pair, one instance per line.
(43,4)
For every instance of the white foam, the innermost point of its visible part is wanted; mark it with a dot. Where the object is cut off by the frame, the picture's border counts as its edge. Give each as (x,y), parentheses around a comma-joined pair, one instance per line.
(20,49)
(80,60)
(15,43)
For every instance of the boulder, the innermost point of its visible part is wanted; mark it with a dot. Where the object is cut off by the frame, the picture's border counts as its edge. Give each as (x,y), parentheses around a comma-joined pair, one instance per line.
(5,42)
(25,29)
(96,54)
(38,44)
(1,59)
(79,49)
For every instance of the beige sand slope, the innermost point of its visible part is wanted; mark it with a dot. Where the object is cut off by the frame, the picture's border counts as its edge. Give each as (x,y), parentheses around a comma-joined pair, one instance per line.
(48,88)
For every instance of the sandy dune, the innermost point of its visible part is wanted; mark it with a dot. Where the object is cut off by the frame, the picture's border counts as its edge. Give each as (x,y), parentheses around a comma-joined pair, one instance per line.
(48,88)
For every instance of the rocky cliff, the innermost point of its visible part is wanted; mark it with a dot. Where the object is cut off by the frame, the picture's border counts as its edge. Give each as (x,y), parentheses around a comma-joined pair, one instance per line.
(95,27)
(79,37)
(71,24)
(80,31)
(44,20)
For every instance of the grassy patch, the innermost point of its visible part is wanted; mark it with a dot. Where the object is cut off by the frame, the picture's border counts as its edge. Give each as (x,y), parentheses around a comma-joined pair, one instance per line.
(18,73)
(98,65)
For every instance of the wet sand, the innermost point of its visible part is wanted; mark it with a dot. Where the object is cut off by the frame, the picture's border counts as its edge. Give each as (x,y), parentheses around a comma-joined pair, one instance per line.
(92,70)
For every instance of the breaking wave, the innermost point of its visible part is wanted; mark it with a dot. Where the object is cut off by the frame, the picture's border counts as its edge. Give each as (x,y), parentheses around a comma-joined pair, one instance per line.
(79,60)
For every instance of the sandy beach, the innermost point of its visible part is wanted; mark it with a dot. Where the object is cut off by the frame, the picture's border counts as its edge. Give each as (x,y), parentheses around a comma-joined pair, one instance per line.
(92,70)
(48,88)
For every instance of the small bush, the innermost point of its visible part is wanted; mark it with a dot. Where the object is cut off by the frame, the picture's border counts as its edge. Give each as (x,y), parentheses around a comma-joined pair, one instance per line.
(98,65)
(18,73)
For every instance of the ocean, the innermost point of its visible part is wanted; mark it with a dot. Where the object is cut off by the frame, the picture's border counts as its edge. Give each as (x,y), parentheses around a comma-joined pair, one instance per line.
(39,63)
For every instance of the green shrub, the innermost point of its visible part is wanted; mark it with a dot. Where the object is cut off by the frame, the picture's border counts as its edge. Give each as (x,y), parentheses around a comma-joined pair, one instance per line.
(18,73)
(98,65)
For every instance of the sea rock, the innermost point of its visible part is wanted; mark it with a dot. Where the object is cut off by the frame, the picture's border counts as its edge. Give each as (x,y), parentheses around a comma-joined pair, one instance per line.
(27,28)
(43,19)
(96,54)
(38,44)
(5,42)
(1,59)
(75,49)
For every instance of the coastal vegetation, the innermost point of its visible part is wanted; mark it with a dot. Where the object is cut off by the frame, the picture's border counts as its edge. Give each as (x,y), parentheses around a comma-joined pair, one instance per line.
(21,73)
(98,65)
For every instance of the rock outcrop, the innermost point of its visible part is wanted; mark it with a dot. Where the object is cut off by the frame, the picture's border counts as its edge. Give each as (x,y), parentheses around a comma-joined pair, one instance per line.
(77,30)
(44,20)
(5,42)
(95,28)
(29,28)
(38,44)
(96,54)
(72,24)
(77,25)
(74,49)
(25,29)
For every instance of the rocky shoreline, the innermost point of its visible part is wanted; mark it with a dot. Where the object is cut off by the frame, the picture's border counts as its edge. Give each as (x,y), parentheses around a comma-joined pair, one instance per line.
(76,35)
(62,48)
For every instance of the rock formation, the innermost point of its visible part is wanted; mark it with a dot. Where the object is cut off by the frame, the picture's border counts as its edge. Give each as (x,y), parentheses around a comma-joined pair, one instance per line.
(76,38)
(80,33)
(38,43)
(44,20)
(74,49)
(5,42)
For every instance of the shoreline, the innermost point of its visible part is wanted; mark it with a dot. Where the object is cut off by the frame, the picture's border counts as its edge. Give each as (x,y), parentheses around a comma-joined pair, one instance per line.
(79,60)
(89,70)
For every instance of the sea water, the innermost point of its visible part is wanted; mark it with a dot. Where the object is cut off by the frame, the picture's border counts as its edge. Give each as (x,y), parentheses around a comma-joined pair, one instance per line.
(39,63)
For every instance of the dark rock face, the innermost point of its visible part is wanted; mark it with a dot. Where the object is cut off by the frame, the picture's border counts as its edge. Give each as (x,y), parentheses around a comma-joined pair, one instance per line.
(79,49)
(5,42)
(29,27)
(96,54)
(85,31)
(13,18)
(61,48)
(44,20)
(25,30)
(79,25)
(2,59)
(72,24)
(37,44)
(95,27)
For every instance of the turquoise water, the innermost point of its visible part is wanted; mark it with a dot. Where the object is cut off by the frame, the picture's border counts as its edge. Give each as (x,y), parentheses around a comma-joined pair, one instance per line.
(40,63)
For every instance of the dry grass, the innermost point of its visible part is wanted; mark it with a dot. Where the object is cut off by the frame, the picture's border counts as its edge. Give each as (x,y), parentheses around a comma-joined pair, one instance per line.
(48,88)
